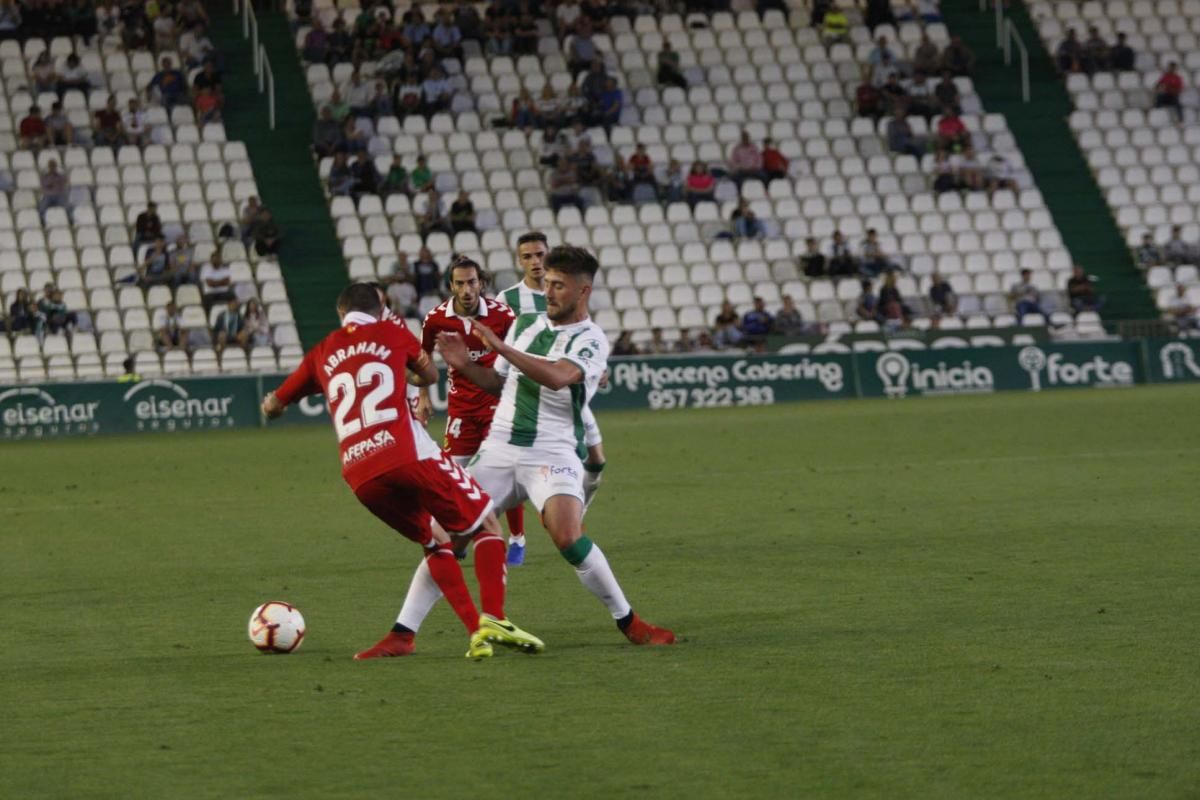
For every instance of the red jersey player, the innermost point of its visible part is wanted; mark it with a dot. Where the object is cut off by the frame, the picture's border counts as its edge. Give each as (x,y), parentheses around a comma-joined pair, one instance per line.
(397,472)
(470,409)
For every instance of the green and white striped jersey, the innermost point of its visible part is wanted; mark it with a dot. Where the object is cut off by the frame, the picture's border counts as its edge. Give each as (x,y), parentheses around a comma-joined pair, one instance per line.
(529,414)
(523,300)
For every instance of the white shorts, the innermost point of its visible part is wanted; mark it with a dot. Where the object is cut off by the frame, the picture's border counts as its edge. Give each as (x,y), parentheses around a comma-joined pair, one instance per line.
(511,474)
(591,430)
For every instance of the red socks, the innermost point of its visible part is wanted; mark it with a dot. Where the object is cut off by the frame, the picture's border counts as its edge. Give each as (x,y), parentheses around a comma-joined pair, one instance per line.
(491,573)
(516,520)
(449,578)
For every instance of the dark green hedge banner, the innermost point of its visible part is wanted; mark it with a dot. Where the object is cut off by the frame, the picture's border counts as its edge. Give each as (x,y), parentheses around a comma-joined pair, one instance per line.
(659,383)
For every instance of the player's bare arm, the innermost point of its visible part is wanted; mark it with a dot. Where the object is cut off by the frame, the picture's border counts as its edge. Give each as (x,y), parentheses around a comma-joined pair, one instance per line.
(423,372)
(454,350)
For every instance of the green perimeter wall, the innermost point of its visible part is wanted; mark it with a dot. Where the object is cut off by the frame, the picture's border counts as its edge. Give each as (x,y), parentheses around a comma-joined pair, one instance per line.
(45,411)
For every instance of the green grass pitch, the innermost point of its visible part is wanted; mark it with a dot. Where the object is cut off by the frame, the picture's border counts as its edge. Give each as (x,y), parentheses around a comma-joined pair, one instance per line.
(960,597)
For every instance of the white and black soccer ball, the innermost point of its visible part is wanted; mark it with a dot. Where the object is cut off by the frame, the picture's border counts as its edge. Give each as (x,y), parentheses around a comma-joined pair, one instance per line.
(276,627)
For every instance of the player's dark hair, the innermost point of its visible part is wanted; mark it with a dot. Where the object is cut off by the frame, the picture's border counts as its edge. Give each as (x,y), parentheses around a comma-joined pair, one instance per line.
(572,261)
(466,262)
(532,236)
(360,297)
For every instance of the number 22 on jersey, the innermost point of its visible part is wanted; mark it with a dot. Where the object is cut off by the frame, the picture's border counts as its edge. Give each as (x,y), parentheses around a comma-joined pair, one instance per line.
(343,398)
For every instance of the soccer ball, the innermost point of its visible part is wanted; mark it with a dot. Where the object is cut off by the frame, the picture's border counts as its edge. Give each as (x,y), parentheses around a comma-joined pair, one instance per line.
(276,627)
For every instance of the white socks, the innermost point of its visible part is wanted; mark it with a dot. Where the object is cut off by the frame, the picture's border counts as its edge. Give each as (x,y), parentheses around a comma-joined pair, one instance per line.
(423,594)
(595,573)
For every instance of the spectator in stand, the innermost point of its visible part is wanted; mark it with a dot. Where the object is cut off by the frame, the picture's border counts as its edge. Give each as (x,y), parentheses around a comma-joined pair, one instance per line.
(945,176)
(340,44)
(45,77)
(266,233)
(704,344)
(231,327)
(641,168)
(674,183)
(435,93)
(921,98)
(396,180)
(624,346)
(1081,292)
(248,217)
(893,312)
(683,344)
(327,134)
(524,110)
(563,187)
(431,213)
(618,187)
(447,38)
(257,326)
(788,321)
(1122,57)
(497,39)
(874,260)
(10,20)
(549,111)
(841,260)
(169,332)
(525,36)
(1168,90)
(402,297)
(107,129)
(756,325)
(594,82)
(657,346)
(358,94)
(835,26)
(942,296)
(957,58)
(884,71)
(133,122)
(700,184)
(867,307)
(136,33)
(583,160)
(169,84)
(147,226)
(1176,250)
(209,78)
(1025,296)
(341,177)
(316,44)
(775,164)
(946,92)
(59,130)
(952,134)
(746,225)
(462,214)
(879,12)
(727,332)
(73,77)
(338,107)
(421,178)
(23,314)
(927,58)
(34,135)
(57,317)
(207,107)
(197,48)
(999,175)
(880,52)
(216,282)
(895,96)
(426,273)
(1069,53)
(901,138)
(181,261)
(670,72)
(155,269)
(56,190)
(166,37)
(745,160)
(609,107)
(812,263)
(354,137)
(868,100)
(382,104)
(1182,310)
(582,50)
(1095,51)
(970,171)
(1148,254)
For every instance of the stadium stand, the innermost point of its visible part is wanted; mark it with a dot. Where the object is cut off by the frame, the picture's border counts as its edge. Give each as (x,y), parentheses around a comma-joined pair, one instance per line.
(1144,150)
(669,265)
(87,249)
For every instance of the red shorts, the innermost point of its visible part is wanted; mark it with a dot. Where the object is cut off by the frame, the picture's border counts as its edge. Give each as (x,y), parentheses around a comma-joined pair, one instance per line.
(464,435)
(406,498)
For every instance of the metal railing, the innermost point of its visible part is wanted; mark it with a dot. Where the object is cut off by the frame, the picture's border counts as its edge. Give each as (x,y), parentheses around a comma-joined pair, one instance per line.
(1011,35)
(262,65)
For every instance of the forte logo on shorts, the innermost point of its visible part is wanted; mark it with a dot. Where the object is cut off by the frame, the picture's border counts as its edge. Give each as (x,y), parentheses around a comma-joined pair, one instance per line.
(367,447)
(33,412)
(1095,371)
(551,473)
(163,405)
(900,375)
